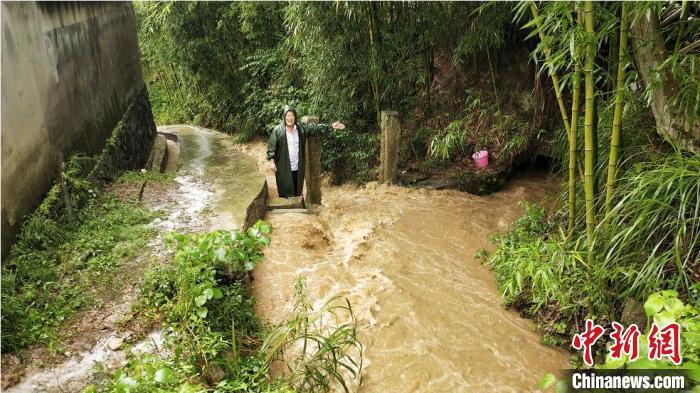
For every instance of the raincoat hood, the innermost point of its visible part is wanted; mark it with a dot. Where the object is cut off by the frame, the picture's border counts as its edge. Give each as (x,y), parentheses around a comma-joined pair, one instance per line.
(289,109)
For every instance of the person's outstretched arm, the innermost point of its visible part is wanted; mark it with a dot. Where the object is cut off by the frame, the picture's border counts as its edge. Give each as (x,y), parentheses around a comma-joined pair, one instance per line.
(318,129)
(272,149)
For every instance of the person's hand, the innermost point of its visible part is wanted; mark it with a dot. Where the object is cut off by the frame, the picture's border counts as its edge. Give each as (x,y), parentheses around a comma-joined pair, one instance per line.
(338,125)
(272,167)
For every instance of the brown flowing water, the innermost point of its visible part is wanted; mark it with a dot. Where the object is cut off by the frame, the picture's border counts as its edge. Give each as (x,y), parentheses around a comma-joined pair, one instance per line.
(430,315)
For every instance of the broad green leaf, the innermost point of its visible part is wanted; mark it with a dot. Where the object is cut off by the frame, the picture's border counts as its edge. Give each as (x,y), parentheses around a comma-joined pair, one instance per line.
(612,364)
(90,389)
(202,312)
(692,370)
(674,305)
(200,300)
(209,293)
(642,363)
(546,381)
(190,388)
(653,305)
(217,293)
(164,375)
(664,318)
(220,254)
(126,384)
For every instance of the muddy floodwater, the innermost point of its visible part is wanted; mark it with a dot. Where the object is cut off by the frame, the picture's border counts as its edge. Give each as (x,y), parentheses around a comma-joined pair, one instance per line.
(430,316)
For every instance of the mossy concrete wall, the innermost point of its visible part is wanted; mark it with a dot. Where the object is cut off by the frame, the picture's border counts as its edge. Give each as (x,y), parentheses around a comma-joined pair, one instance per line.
(70,71)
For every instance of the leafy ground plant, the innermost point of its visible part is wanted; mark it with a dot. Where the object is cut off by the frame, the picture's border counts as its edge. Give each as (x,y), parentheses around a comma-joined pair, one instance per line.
(323,344)
(662,308)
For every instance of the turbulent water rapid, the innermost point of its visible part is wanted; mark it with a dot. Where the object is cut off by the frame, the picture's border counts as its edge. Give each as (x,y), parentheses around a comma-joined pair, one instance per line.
(430,315)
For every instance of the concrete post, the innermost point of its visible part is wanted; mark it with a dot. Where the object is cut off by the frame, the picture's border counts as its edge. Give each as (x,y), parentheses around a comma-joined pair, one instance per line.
(312,169)
(389,146)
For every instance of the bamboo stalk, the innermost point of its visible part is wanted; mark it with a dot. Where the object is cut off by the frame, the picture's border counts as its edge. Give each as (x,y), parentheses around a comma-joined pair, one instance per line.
(493,80)
(589,137)
(616,134)
(555,78)
(552,74)
(572,147)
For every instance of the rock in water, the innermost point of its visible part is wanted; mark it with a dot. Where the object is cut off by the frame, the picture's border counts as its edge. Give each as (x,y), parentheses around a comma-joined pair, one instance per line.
(633,312)
(115,343)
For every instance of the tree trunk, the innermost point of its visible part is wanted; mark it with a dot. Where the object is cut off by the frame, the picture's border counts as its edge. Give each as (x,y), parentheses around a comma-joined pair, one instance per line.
(649,54)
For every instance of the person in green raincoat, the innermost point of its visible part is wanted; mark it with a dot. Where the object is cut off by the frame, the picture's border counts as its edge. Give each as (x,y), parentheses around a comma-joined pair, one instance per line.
(285,151)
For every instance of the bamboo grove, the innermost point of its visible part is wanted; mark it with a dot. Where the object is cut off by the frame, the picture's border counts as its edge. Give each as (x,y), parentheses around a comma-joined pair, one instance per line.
(568,43)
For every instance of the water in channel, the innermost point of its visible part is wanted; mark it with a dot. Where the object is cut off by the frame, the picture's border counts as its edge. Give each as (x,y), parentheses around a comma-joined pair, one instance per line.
(430,315)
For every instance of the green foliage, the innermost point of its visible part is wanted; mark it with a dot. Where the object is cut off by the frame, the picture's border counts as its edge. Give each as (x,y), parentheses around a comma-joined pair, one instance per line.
(59,260)
(350,155)
(662,308)
(215,64)
(201,293)
(451,141)
(139,177)
(234,66)
(488,28)
(639,138)
(648,242)
(539,272)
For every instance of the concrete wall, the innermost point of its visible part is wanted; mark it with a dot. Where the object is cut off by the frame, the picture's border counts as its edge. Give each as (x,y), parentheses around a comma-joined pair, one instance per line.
(69,73)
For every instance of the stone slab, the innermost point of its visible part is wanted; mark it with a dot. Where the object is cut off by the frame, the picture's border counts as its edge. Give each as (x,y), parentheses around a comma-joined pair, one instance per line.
(285,203)
(286,211)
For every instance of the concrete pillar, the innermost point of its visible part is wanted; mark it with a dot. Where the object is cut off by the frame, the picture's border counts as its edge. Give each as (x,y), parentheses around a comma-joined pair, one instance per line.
(389,150)
(312,169)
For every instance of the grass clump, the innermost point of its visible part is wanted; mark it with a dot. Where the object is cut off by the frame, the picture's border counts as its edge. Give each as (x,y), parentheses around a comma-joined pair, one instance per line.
(139,177)
(214,341)
(72,244)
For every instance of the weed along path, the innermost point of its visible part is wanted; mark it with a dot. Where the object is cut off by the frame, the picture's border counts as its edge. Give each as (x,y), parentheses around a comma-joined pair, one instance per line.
(215,187)
(430,316)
